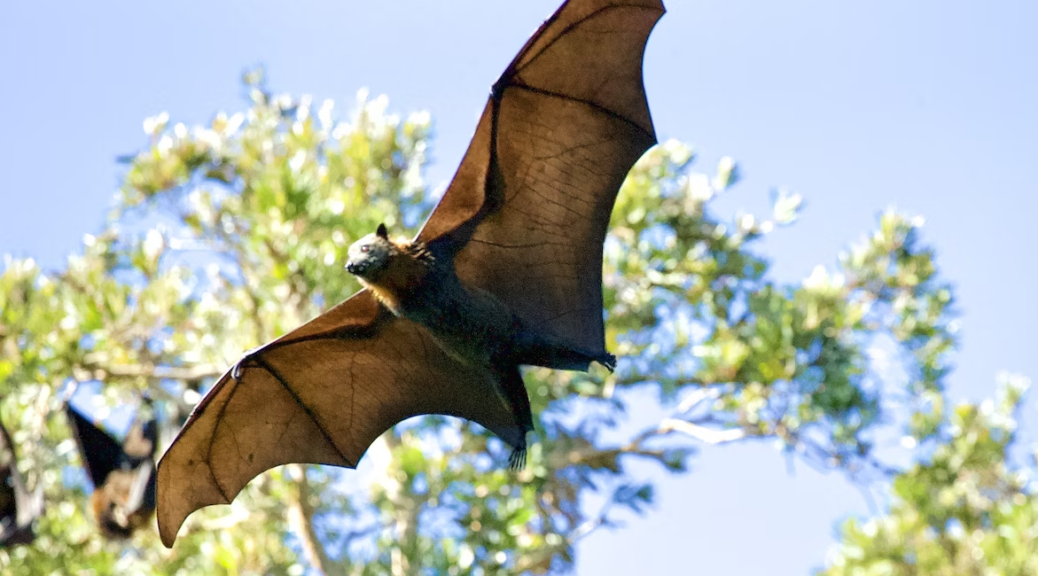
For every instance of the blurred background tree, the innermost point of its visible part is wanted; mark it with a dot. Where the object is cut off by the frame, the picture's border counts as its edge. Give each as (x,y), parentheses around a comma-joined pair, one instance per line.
(227,235)
(965,509)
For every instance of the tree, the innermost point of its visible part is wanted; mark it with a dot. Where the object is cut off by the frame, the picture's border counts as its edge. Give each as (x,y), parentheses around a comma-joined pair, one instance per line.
(965,509)
(229,234)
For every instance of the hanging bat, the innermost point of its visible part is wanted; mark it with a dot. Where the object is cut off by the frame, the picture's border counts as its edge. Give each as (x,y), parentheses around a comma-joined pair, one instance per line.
(18,508)
(507,271)
(123,475)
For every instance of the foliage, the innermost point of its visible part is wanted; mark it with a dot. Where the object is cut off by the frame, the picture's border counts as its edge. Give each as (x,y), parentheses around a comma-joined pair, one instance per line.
(229,234)
(963,510)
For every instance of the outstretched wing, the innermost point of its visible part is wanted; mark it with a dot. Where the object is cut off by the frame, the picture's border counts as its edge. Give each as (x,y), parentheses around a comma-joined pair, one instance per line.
(321,394)
(527,211)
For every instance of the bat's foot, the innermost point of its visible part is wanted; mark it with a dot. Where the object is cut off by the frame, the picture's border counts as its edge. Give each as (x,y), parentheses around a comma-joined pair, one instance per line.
(608,360)
(542,350)
(517,460)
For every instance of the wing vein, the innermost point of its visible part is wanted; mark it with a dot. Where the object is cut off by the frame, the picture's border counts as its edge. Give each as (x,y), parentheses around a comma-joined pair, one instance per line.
(313,417)
(611,113)
(212,438)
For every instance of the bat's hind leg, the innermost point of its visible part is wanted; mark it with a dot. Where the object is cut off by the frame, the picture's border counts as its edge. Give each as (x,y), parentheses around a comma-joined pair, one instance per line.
(511,383)
(551,352)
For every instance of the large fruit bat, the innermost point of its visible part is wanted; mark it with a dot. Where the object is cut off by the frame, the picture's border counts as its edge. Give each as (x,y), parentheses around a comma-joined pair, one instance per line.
(507,271)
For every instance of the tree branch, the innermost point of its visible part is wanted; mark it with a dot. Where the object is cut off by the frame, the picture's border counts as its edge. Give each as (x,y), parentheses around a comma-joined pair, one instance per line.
(708,435)
(95,371)
(301,517)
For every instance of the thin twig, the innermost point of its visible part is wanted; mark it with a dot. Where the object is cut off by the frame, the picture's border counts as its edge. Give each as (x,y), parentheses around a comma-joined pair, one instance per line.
(151,371)
(708,435)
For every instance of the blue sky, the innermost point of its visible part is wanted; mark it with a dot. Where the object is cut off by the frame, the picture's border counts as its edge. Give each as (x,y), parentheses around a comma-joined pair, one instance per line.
(928,106)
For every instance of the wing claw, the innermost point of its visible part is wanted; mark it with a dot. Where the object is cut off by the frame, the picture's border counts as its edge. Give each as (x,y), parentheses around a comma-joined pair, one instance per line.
(239,368)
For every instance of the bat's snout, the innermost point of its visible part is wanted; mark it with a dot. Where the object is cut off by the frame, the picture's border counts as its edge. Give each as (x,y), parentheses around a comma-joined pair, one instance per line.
(362,265)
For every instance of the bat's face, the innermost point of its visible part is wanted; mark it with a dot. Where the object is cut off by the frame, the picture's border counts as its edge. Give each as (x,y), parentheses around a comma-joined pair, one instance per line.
(118,511)
(108,503)
(370,255)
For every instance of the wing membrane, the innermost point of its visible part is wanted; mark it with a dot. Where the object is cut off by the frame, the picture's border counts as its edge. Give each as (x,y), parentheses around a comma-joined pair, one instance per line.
(524,218)
(321,395)
(564,125)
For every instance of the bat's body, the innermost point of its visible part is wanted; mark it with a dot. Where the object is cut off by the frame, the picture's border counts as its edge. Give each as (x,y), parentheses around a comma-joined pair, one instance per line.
(470,324)
(506,271)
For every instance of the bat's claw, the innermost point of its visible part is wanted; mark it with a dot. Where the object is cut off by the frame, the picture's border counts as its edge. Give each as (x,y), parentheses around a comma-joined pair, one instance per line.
(239,368)
(607,360)
(498,89)
(517,460)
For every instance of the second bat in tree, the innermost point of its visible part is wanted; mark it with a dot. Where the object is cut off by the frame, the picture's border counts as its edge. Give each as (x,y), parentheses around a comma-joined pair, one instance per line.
(123,473)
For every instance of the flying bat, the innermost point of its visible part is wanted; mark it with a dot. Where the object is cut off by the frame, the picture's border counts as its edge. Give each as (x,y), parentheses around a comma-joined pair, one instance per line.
(507,271)
(123,474)
(18,508)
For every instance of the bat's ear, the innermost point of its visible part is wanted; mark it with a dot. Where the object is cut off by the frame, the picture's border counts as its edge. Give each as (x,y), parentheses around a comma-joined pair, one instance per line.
(381,232)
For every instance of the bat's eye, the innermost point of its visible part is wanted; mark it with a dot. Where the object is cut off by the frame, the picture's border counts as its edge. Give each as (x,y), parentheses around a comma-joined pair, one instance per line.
(365,248)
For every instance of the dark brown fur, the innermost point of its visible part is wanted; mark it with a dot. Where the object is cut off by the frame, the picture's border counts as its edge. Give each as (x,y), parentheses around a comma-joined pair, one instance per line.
(470,324)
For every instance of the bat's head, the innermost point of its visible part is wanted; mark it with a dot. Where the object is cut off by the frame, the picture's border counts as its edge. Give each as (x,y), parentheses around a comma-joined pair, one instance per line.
(109,511)
(125,502)
(370,255)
